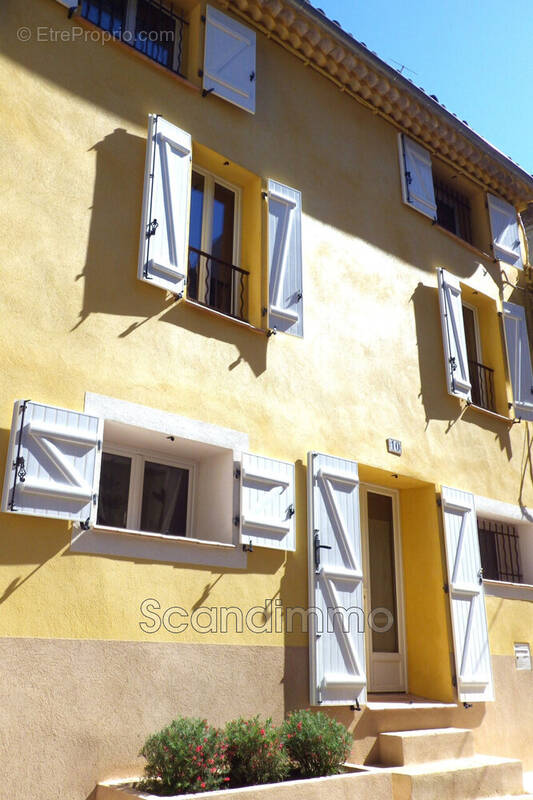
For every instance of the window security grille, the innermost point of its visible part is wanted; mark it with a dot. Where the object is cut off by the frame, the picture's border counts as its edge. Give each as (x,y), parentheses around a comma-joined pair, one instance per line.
(154,27)
(453,210)
(500,555)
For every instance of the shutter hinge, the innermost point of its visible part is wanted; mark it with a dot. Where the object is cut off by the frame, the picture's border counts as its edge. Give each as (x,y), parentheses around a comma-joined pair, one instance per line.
(299,296)
(203,17)
(237,520)
(439,502)
(454,681)
(248,548)
(95,498)
(205,92)
(85,524)
(408,177)
(453,363)
(355,707)
(272,331)
(290,510)
(237,473)
(200,73)
(99,445)
(264,311)
(252,76)
(446,588)
(151,228)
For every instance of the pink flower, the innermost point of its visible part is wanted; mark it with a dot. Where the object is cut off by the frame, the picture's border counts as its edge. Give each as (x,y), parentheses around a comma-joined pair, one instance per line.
(262,731)
(199,748)
(226,779)
(299,726)
(202,785)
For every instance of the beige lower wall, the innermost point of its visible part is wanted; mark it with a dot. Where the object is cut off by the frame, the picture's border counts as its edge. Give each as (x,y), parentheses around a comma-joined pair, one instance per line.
(73,712)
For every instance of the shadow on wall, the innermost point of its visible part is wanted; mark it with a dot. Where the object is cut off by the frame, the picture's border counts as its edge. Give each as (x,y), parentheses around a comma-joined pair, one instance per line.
(438,404)
(110,278)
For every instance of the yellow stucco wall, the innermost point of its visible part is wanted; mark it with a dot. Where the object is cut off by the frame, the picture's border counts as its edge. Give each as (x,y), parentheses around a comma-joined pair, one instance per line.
(75,318)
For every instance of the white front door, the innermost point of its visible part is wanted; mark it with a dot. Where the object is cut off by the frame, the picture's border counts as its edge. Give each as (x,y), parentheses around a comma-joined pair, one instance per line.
(383,584)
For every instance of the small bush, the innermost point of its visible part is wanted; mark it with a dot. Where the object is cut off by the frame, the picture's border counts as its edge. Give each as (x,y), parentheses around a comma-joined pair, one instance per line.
(187,756)
(316,744)
(255,752)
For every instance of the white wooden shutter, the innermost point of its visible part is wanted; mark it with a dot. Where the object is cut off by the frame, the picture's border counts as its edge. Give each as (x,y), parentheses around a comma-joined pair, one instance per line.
(417,177)
(336,631)
(519,357)
(285,292)
(467,598)
(229,59)
(53,463)
(267,502)
(453,335)
(163,252)
(504,227)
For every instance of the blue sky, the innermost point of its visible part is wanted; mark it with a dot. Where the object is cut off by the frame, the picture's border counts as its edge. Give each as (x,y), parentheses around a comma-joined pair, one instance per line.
(476,56)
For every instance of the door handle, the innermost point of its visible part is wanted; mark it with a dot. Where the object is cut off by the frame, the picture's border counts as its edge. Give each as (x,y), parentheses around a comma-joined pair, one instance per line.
(318,548)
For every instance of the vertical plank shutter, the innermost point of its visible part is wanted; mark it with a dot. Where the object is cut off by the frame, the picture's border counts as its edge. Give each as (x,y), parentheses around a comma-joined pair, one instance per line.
(519,357)
(53,463)
(417,177)
(285,290)
(504,227)
(336,632)
(163,251)
(229,59)
(467,598)
(453,335)
(267,502)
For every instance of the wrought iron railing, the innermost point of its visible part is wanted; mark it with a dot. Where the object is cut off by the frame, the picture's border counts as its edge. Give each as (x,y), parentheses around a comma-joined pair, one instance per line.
(499,549)
(155,29)
(217,284)
(453,210)
(482,382)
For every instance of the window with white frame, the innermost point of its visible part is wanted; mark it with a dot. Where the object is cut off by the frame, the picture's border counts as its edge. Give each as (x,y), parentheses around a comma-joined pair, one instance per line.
(145,492)
(215,278)
(107,472)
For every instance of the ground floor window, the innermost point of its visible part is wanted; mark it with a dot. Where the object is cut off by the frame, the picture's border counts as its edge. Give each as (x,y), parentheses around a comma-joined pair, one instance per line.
(146,493)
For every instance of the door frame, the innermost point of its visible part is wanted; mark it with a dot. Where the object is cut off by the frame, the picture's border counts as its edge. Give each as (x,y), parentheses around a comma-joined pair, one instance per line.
(401,656)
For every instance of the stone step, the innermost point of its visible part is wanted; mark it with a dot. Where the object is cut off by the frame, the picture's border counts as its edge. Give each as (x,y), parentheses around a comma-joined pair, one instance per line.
(458,779)
(401,748)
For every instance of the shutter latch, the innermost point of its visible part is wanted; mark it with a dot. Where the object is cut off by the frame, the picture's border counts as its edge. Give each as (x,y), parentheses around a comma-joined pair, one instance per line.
(151,228)
(20,466)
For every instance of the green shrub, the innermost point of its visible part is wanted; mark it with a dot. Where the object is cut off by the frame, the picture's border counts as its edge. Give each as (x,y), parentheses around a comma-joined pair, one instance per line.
(316,744)
(185,757)
(255,752)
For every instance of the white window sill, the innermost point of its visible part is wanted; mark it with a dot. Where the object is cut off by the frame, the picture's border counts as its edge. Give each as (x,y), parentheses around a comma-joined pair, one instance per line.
(492,414)
(164,537)
(508,590)
(136,545)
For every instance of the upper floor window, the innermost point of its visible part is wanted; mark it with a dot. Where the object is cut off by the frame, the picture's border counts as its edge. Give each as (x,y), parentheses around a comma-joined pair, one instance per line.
(214,277)
(154,27)
(481,376)
(457,204)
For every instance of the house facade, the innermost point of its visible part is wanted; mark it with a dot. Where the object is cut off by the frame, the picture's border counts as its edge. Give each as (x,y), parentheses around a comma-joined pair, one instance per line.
(266,393)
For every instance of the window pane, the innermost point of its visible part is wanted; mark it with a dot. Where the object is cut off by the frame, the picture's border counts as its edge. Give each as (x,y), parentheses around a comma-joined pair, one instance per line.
(223,221)
(155,32)
(195,232)
(164,502)
(114,491)
(382,570)
(107,14)
(470,333)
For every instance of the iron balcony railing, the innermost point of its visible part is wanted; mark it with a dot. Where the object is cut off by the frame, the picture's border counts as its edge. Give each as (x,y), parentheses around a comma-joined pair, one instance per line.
(453,210)
(482,382)
(155,28)
(217,284)
(499,550)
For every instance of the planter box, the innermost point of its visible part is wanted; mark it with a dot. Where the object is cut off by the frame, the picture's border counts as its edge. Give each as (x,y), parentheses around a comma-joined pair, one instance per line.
(363,784)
